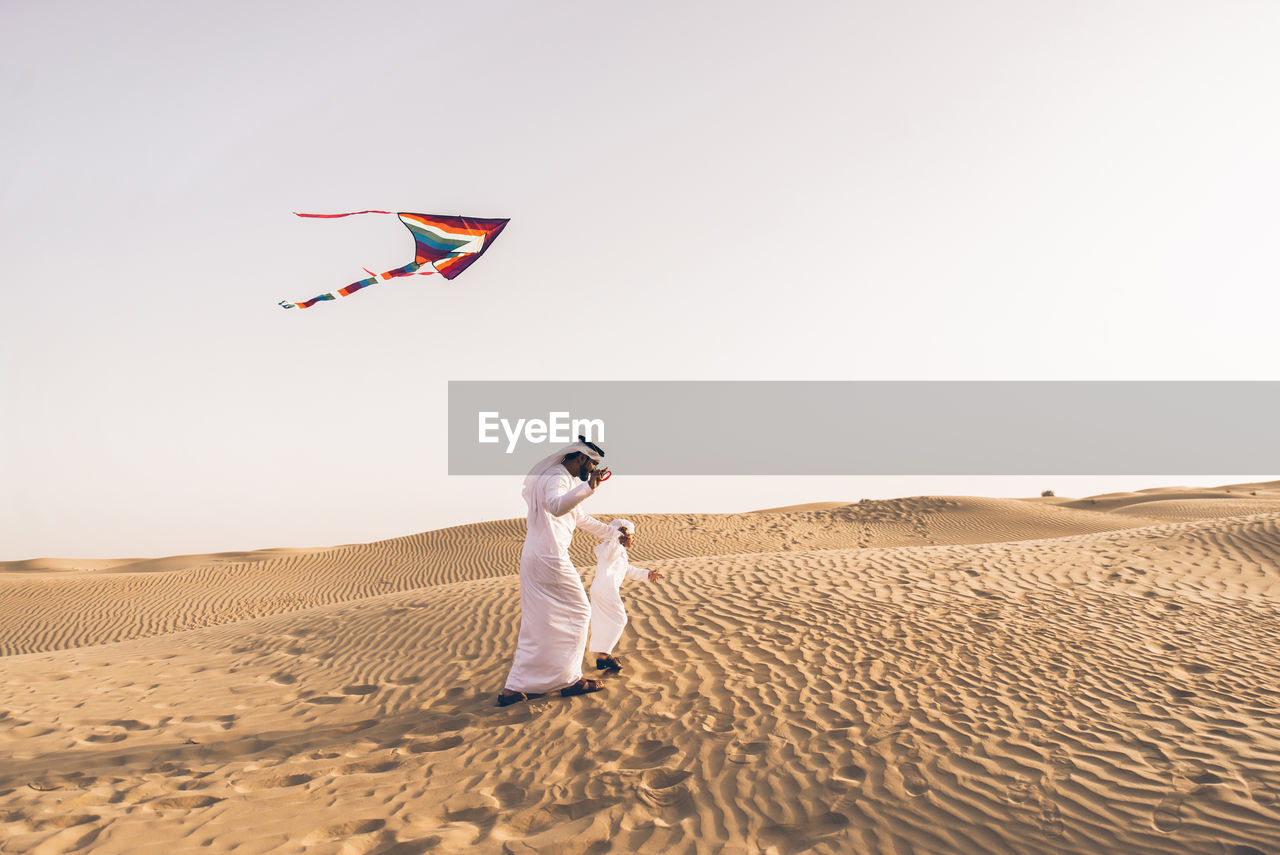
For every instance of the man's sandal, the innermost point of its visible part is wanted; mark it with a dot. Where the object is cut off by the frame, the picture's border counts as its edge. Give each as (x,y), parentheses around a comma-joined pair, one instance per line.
(609,664)
(507,698)
(582,687)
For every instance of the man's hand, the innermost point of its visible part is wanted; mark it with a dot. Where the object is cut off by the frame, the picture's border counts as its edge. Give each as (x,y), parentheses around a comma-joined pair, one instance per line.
(655,575)
(593,477)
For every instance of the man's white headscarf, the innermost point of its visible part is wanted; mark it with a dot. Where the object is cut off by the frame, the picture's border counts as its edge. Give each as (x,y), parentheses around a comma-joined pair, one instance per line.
(549,462)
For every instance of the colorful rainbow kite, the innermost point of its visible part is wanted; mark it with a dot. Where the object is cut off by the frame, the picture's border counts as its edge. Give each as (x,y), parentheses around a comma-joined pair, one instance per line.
(445,245)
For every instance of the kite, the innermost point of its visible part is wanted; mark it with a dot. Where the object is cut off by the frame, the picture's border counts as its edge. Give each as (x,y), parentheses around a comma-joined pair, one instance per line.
(444,245)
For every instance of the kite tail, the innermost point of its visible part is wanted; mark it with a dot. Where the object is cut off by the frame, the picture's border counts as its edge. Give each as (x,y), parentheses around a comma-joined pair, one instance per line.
(408,270)
(426,272)
(331,216)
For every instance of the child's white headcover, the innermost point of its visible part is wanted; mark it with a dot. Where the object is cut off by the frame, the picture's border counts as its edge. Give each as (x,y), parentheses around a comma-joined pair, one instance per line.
(611,548)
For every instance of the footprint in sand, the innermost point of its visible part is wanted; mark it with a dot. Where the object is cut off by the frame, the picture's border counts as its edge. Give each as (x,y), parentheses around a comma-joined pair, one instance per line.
(607,755)
(435,745)
(802,837)
(664,778)
(716,723)
(886,727)
(579,809)
(443,724)
(64,821)
(282,678)
(183,802)
(649,753)
(589,715)
(1019,792)
(477,808)
(509,795)
(343,830)
(1264,794)
(1167,815)
(360,689)
(840,726)
(1050,819)
(221,722)
(412,847)
(851,774)
(743,753)
(368,767)
(912,780)
(665,789)
(1061,766)
(277,782)
(172,769)
(325,699)
(129,724)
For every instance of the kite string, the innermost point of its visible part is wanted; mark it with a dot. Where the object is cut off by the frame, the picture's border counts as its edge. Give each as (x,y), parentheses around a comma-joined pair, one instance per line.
(332,216)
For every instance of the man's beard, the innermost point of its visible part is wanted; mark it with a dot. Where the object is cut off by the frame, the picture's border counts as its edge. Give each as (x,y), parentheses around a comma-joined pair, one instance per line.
(583,474)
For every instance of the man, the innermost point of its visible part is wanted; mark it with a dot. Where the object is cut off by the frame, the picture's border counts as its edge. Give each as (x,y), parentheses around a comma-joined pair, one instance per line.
(554,611)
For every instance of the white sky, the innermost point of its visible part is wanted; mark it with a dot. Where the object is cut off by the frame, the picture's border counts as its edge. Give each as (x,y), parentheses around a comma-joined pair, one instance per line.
(734,190)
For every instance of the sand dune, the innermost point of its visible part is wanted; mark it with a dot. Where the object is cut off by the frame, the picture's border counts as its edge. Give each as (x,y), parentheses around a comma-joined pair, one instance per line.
(52,604)
(925,675)
(1263,491)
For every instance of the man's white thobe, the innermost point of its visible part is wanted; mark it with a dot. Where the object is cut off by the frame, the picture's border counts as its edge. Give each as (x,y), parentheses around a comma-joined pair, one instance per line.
(608,615)
(554,613)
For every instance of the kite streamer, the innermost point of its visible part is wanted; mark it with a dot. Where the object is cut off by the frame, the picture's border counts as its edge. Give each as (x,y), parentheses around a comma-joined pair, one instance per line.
(444,245)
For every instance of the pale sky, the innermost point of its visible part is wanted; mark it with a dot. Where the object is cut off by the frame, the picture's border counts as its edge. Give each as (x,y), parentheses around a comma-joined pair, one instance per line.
(733,190)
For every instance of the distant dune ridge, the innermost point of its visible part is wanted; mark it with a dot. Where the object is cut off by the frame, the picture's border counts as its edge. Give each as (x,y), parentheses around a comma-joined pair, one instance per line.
(938,674)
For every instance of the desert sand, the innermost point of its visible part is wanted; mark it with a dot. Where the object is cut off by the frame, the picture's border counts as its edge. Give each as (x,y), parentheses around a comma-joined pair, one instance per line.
(936,674)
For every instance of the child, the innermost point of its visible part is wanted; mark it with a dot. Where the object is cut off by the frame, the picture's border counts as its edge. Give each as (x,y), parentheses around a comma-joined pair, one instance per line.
(608,616)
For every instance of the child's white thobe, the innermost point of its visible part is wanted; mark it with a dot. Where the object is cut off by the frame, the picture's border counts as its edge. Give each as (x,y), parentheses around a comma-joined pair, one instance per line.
(608,615)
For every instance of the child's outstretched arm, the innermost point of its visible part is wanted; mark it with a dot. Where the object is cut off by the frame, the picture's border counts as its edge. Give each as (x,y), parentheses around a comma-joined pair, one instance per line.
(642,575)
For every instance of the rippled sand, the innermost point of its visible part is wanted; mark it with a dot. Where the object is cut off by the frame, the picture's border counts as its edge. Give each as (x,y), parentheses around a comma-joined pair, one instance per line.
(923,675)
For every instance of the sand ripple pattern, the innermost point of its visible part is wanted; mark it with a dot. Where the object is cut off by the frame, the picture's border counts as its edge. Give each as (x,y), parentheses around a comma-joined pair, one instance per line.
(1101,690)
(46,605)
